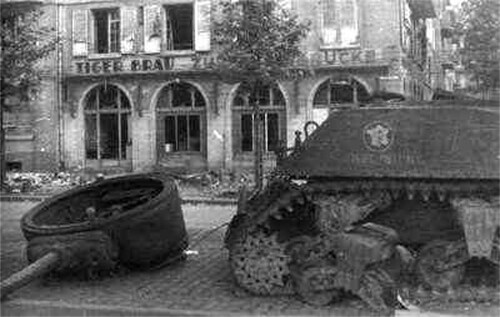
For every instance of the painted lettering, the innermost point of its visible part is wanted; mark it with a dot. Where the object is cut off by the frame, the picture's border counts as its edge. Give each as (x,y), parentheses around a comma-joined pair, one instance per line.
(330,56)
(157,65)
(196,60)
(147,65)
(106,66)
(117,66)
(96,67)
(356,56)
(79,67)
(135,65)
(343,57)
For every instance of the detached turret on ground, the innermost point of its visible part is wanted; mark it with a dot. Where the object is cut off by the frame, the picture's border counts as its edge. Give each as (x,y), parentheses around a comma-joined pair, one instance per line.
(375,194)
(133,221)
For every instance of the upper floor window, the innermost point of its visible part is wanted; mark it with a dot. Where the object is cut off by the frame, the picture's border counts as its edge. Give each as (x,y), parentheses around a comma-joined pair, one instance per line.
(152,28)
(107,31)
(339,21)
(179,26)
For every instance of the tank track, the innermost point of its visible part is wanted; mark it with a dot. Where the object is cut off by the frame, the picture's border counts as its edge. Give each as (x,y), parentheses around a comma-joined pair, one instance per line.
(287,243)
(292,238)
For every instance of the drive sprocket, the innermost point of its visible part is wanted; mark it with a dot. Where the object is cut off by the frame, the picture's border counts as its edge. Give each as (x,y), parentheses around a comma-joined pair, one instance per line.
(260,264)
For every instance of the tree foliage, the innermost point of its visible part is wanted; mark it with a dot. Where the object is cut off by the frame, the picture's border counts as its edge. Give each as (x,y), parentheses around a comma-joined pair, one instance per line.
(257,41)
(24,43)
(479,27)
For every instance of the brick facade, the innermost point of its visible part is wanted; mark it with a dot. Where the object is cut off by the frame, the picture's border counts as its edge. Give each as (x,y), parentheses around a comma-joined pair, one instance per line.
(375,63)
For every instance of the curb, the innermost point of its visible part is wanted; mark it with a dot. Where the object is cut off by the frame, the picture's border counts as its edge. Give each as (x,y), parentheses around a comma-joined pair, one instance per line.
(185,200)
(23,307)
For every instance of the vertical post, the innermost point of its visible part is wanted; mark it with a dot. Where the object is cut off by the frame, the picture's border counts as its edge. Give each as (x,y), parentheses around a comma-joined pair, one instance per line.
(258,144)
(3,164)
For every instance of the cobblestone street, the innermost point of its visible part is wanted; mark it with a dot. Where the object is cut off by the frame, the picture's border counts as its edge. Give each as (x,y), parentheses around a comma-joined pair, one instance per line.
(202,285)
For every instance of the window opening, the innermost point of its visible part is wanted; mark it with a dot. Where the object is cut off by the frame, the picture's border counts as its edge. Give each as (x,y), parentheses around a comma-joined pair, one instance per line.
(107,31)
(332,93)
(272,107)
(181,110)
(107,119)
(179,26)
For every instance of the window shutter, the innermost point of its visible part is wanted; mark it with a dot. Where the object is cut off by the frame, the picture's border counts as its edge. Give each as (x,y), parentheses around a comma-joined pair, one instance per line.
(79,32)
(128,15)
(153,28)
(202,25)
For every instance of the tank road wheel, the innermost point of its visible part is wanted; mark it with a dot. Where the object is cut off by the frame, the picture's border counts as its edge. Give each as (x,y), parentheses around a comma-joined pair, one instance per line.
(260,265)
(441,264)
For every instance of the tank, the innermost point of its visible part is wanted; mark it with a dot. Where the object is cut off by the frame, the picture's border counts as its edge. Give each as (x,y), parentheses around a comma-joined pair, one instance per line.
(374,195)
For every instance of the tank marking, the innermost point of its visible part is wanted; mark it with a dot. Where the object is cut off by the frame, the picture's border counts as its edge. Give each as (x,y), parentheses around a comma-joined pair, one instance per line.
(378,136)
(389,159)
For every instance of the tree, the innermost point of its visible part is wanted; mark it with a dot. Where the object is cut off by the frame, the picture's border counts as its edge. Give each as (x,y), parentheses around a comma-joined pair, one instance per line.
(479,27)
(257,43)
(24,44)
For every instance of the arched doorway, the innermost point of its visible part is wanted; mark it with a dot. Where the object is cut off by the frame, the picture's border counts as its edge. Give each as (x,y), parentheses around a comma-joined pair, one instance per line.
(107,127)
(337,92)
(181,126)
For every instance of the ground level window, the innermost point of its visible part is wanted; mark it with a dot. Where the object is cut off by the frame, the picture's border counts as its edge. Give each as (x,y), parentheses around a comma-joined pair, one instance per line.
(183,132)
(270,134)
(272,118)
(181,119)
(338,92)
(107,120)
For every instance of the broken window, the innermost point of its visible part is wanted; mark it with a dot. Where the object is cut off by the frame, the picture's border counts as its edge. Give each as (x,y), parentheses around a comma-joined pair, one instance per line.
(107,31)
(179,26)
(181,109)
(272,118)
(107,119)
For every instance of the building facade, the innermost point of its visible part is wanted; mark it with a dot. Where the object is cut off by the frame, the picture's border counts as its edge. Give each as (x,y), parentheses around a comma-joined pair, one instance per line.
(132,86)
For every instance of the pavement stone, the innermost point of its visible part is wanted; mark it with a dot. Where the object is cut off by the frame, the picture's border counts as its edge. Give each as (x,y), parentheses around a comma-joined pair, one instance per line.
(200,286)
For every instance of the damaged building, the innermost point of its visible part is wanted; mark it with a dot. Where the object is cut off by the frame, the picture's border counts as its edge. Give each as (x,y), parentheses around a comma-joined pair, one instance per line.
(131,86)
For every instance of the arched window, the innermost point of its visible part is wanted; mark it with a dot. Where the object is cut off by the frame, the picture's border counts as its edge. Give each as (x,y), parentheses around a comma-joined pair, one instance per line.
(334,93)
(181,119)
(273,114)
(107,124)
(338,92)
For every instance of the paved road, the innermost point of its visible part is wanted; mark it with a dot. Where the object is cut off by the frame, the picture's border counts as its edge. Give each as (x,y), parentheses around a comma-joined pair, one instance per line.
(200,286)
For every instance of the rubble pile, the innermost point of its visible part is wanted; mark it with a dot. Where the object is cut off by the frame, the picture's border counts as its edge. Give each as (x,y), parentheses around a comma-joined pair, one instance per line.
(42,183)
(212,184)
